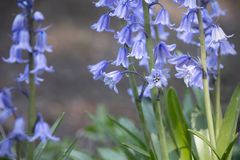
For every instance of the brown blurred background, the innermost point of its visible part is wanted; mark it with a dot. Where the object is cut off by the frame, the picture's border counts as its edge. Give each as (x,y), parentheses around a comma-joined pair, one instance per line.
(71,88)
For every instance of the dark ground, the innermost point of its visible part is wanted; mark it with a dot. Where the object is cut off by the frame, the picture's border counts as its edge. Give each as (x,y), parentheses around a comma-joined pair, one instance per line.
(71,88)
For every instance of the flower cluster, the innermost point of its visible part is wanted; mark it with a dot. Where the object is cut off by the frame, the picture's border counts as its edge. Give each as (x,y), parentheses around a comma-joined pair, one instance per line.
(23,38)
(134,35)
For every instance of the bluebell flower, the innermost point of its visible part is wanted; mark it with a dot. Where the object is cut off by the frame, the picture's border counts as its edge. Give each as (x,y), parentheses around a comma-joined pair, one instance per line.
(42,131)
(6,105)
(105,3)
(98,69)
(212,64)
(40,64)
(216,10)
(162,52)
(150,1)
(227,48)
(25,4)
(103,24)
(158,78)
(146,93)
(18,132)
(24,77)
(38,16)
(125,35)
(181,59)
(41,41)
(6,148)
(19,22)
(192,75)
(24,40)
(122,58)
(217,34)
(112,78)
(163,18)
(190,4)
(162,34)
(15,56)
(187,20)
(139,48)
(122,10)
(187,37)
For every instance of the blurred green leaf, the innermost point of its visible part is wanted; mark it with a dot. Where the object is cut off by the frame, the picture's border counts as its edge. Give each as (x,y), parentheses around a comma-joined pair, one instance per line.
(137,149)
(68,151)
(228,151)
(77,155)
(41,146)
(229,124)
(110,154)
(178,125)
(204,139)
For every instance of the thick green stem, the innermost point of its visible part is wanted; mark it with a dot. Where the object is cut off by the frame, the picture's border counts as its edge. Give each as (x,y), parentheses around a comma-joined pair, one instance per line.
(207,100)
(218,98)
(155,99)
(137,101)
(32,89)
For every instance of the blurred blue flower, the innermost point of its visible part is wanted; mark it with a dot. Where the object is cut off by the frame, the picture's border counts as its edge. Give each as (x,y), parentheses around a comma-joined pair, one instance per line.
(15,55)
(6,148)
(122,10)
(18,132)
(38,16)
(216,9)
(105,3)
(227,48)
(158,78)
(122,58)
(98,69)
(6,105)
(162,52)
(190,4)
(25,4)
(41,41)
(181,59)
(103,24)
(19,22)
(163,18)
(112,78)
(125,35)
(24,40)
(42,131)
(217,34)
(187,20)
(40,64)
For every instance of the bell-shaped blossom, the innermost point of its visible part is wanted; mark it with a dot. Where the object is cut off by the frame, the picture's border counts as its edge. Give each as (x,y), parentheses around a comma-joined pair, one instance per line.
(122,58)
(122,10)
(125,35)
(227,48)
(163,18)
(98,69)
(139,49)
(40,62)
(18,132)
(162,52)
(15,56)
(6,148)
(162,34)
(42,131)
(105,3)
(192,75)
(24,41)
(38,16)
(187,37)
(212,64)
(190,4)
(158,78)
(217,34)
(19,22)
(6,105)
(186,22)
(112,78)
(181,59)
(24,77)
(41,41)
(25,4)
(103,24)
(216,9)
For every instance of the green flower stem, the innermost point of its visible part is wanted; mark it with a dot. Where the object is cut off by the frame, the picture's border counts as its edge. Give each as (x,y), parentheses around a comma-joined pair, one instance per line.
(205,81)
(155,99)
(32,89)
(218,98)
(137,101)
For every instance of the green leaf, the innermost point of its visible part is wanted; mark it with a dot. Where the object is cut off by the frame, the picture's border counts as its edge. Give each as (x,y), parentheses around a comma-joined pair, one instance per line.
(204,139)
(77,155)
(137,149)
(68,151)
(229,124)
(228,151)
(110,154)
(41,146)
(178,125)
(137,139)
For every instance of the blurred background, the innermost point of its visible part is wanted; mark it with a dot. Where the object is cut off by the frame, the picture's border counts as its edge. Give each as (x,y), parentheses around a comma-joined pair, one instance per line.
(71,88)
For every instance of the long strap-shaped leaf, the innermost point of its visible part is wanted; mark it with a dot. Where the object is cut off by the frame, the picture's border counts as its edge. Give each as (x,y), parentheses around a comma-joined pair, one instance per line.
(229,124)
(137,149)
(178,125)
